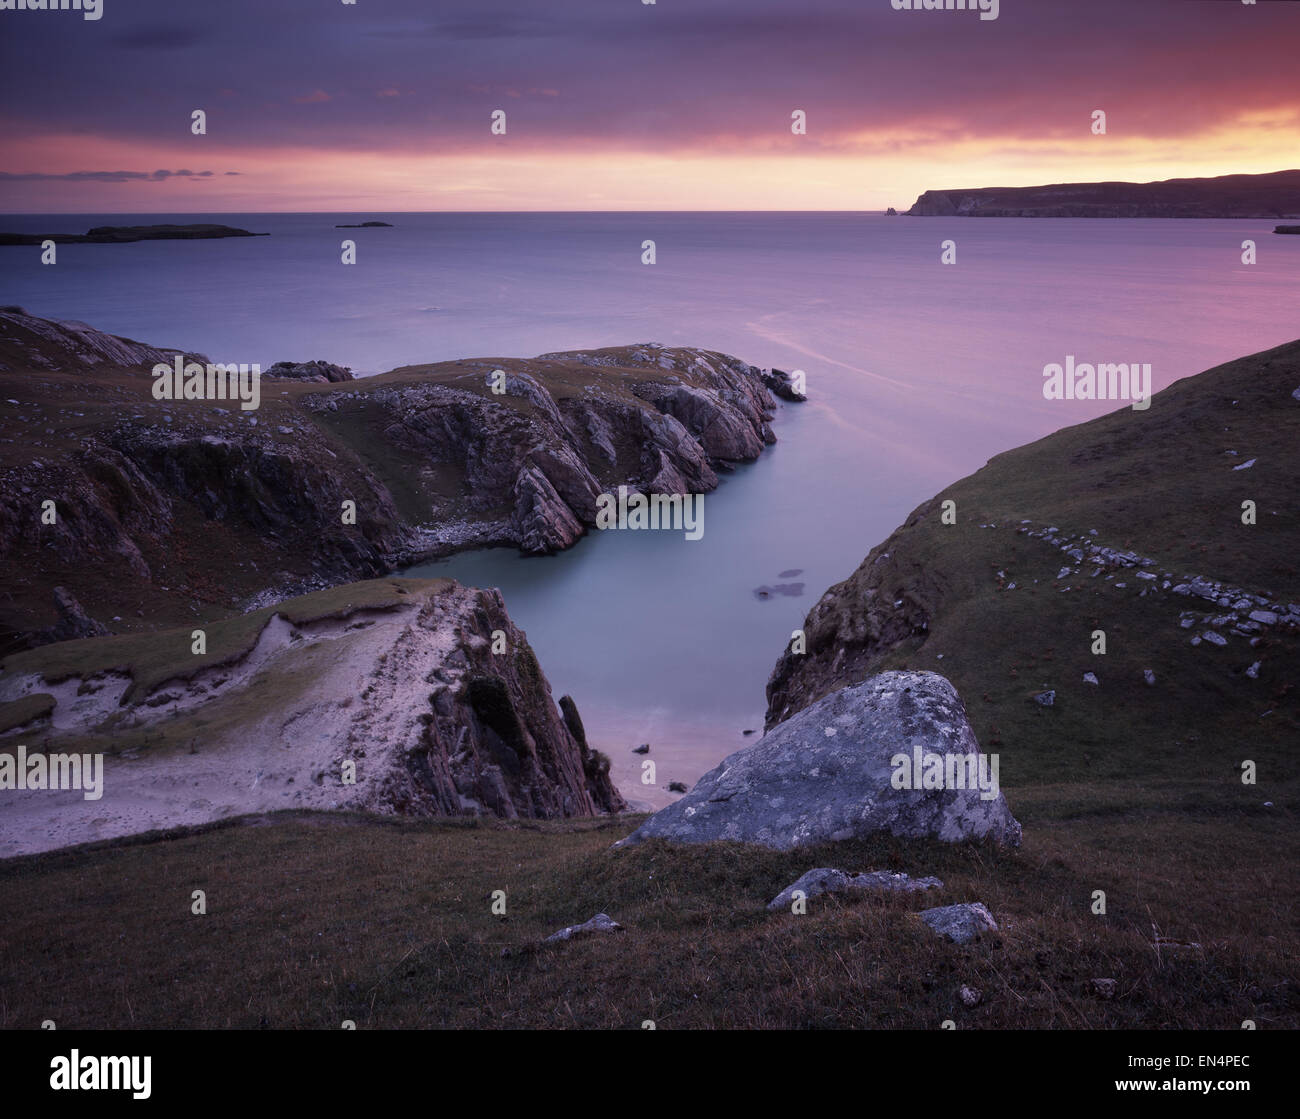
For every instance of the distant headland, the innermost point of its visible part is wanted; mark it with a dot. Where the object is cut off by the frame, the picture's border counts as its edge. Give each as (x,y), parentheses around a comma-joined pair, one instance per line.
(121,234)
(1275,195)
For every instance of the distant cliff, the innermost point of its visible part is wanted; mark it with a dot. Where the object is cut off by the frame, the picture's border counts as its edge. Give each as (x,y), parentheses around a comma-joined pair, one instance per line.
(1276,195)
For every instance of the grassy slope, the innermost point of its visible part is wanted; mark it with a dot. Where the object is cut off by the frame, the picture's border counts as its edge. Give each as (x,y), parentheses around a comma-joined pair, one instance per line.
(1125,789)
(1158,483)
(312,921)
(151,659)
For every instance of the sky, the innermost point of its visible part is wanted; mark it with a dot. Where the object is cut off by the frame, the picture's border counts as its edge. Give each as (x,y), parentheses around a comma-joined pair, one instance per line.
(386,105)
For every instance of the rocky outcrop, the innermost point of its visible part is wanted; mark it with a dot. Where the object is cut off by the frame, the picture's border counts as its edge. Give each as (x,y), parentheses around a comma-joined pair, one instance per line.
(208,502)
(1275,195)
(73,621)
(782,384)
(319,371)
(31,343)
(428,702)
(829,774)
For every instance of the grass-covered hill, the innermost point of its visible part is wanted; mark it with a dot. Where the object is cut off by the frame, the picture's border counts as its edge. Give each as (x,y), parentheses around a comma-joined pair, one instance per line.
(1130,524)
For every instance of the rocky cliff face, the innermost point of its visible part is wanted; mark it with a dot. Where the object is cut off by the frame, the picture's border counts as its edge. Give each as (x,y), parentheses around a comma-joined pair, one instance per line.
(1275,195)
(164,507)
(409,697)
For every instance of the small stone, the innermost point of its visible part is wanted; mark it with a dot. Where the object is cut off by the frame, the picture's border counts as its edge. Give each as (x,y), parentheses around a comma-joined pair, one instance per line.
(1214,638)
(1149,677)
(1045,699)
(644,748)
(1253,671)
(1091,678)
(970,996)
(1264,617)
(1104,988)
(599,923)
(960,923)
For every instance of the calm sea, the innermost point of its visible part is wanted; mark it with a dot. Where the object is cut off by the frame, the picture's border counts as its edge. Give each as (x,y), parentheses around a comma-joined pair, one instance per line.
(918,372)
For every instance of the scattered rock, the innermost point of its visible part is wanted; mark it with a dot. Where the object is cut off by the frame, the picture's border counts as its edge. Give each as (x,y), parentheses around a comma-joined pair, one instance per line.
(600,923)
(1104,988)
(1045,699)
(960,923)
(1091,678)
(970,996)
(644,748)
(1149,677)
(1214,638)
(781,384)
(676,787)
(790,590)
(828,880)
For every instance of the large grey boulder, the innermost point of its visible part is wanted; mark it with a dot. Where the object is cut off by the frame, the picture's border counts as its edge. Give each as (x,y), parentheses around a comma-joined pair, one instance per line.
(825,774)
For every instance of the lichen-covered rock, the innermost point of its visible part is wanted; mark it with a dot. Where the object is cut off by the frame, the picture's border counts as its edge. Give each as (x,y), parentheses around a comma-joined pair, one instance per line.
(827,774)
(828,880)
(960,923)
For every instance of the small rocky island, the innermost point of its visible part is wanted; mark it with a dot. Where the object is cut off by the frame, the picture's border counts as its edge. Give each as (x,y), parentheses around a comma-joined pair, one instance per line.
(123,234)
(367,225)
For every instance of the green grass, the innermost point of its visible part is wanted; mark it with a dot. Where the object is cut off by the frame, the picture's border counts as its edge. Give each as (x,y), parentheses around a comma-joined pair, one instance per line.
(1156,482)
(151,659)
(27,709)
(315,919)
